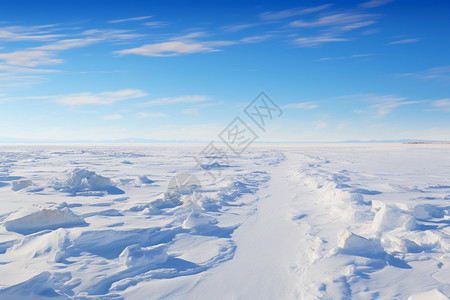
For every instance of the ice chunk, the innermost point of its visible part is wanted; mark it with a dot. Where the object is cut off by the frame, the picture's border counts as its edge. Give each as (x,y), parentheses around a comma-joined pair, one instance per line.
(18,185)
(135,255)
(34,220)
(353,244)
(428,211)
(433,294)
(144,180)
(390,217)
(83,182)
(197,219)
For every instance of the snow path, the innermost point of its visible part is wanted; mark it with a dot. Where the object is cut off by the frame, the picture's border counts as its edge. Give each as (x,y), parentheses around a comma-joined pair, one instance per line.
(269,236)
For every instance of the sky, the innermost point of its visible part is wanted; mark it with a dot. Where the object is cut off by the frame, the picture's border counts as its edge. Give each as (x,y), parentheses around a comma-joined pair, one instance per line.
(183,70)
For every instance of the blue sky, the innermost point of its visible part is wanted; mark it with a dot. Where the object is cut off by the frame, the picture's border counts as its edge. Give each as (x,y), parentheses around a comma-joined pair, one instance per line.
(175,70)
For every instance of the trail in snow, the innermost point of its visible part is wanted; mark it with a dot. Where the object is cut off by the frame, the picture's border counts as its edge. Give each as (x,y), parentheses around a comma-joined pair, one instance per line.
(267,243)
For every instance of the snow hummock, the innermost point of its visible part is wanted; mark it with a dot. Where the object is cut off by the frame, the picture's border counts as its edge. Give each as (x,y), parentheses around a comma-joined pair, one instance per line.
(135,255)
(84,182)
(143,179)
(32,220)
(17,185)
(353,244)
(430,295)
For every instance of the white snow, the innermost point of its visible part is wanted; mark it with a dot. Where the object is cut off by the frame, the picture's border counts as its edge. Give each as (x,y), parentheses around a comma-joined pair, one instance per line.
(281,222)
(33,220)
(18,185)
(82,181)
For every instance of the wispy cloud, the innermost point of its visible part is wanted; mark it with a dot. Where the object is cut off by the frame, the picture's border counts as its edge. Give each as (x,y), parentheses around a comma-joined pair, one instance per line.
(443,104)
(439,73)
(173,48)
(331,26)
(180,45)
(29,58)
(239,27)
(130,19)
(112,117)
(386,104)
(333,19)
(257,38)
(353,56)
(46,54)
(100,98)
(176,100)
(28,33)
(144,115)
(301,105)
(375,3)
(404,41)
(9,99)
(271,15)
(312,41)
(190,111)
(156,24)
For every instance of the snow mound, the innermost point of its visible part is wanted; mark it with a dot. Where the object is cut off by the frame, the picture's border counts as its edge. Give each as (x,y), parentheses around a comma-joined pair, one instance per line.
(46,285)
(84,182)
(433,294)
(197,219)
(353,244)
(144,180)
(390,217)
(34,220)
(18,185)
(136,256)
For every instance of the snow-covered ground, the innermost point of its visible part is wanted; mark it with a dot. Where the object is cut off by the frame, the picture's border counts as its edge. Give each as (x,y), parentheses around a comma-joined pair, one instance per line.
(281,222)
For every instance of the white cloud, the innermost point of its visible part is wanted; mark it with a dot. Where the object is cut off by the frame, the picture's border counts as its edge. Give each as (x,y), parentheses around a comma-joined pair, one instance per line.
(130,19)
(112,117)
(301,105)
(68,44)
(175,100)
(404,41)
(375,3)
(156,24)
(191,111)
(173,48)
(29,58)
(256,38)
(8,99)
(100,98)
(320,125)
(143,115)
(292,12)
(28,33)
(234,28)
(442,73)
(443,104)
(111,34)
(313,41)
(44,55)
(334,19)
(346,57)
(388,103)
(356,25)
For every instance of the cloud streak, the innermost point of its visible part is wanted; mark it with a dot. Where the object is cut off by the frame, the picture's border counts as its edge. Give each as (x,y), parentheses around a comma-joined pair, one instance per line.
(100,98)
(404,41)
(177,100)
(130,19)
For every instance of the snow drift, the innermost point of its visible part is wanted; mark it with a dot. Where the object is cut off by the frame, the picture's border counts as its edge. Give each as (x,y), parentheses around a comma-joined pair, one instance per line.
(85,183)
(34,220)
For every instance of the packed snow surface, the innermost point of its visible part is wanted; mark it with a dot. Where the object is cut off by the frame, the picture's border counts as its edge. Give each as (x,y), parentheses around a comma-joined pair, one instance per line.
(280,222)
